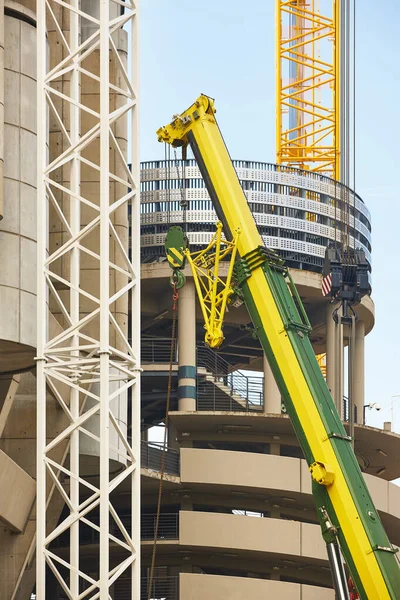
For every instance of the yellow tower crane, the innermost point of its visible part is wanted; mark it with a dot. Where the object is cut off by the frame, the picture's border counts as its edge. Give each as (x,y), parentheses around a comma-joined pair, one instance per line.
(308,86)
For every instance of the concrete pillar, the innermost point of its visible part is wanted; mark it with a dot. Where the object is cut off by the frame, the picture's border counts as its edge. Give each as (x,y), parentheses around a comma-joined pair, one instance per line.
(172,437)
(359,370)
(339,366)
(330,350)
(272,395)
(275,449)
(187,347)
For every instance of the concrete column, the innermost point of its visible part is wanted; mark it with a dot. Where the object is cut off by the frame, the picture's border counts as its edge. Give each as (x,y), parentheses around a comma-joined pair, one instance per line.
(275,449)
(338,375)
(187,347)
(330,350)
(272,395)
(359,370)
(172,435)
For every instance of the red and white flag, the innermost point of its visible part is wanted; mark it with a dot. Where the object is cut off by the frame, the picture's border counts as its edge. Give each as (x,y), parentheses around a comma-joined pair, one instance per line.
(326,285)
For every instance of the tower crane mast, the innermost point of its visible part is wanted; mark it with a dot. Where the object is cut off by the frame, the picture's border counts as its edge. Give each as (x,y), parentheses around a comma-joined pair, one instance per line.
(308,85)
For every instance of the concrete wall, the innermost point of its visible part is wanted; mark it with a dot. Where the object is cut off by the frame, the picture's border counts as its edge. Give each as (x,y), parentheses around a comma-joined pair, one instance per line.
(214,587)
(270,472)
(18,227)
(18,491)
(217,530)
(223,467)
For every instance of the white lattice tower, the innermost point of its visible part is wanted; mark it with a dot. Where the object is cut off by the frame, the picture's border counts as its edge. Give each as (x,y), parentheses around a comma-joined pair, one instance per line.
(92,360)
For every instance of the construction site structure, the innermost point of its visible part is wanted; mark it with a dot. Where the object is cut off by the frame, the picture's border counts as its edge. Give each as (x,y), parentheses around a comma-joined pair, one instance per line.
(348,518)
(232,454)
(229,429)
(68,93)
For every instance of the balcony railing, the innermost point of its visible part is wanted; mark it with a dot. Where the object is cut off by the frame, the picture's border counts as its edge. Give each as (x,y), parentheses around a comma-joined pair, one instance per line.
(346,415)
(168,529)
(218,389)
(222,396)
(158,350)
(227,390)
(168,526)
(151,458)
(163,588)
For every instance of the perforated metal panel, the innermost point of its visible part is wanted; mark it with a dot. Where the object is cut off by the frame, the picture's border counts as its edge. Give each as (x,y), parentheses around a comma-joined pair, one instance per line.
(298,213)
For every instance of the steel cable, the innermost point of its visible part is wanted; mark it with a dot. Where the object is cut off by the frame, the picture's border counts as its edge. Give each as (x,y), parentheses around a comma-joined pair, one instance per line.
(166,422)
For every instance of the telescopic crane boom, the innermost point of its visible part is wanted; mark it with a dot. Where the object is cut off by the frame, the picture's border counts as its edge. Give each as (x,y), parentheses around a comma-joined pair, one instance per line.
(345,509)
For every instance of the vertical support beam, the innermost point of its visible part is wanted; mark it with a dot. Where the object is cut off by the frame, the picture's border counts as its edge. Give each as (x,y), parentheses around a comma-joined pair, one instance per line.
(74,115)
(359,370)
(134,236)
(104,297)
(92,345)
(272,395)
(339,365)
(42,318)
(330,350)
(187,347)
(351,361)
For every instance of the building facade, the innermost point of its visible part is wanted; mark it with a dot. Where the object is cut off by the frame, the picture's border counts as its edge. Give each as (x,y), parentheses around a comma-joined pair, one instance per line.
(237,516)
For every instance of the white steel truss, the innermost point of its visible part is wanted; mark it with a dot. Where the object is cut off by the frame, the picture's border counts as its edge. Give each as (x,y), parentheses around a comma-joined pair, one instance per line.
(88,363)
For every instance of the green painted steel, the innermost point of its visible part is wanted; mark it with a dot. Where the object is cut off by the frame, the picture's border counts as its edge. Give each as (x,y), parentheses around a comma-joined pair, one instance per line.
(291,311)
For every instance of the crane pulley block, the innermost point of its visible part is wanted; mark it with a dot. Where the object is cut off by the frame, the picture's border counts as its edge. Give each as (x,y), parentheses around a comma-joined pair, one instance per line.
(349,272)
(346,278)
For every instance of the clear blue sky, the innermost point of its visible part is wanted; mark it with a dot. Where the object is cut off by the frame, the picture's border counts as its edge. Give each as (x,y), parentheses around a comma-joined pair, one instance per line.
(226,49)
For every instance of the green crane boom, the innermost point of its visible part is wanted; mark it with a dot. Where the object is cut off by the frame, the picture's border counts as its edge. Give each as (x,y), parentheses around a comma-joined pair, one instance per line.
(344,505)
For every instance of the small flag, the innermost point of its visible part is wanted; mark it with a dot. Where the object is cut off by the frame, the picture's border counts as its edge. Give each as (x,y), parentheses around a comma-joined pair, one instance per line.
(326,284)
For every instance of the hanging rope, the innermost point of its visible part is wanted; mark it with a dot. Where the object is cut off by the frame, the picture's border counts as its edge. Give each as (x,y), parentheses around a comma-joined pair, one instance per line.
(164,448)
(181,184)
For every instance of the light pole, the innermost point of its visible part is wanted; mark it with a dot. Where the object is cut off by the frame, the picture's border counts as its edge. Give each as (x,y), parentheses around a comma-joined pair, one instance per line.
(392,408)
(370,406)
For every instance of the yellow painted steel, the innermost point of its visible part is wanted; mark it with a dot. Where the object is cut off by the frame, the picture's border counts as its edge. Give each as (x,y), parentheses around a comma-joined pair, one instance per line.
(172,259)
(199,120)
(307,85)
(213,292)
(321,359)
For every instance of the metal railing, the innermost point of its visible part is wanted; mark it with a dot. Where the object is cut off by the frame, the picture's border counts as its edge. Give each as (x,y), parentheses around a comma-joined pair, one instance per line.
(230,390)
(157,350)
(151,457)
(168,526)
(168,529)
(212,362)
(211,397)
(163,588)
(226,390)
(346,415)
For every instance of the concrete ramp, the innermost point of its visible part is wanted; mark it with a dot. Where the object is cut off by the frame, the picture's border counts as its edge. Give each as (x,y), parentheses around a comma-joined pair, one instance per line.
(18,494)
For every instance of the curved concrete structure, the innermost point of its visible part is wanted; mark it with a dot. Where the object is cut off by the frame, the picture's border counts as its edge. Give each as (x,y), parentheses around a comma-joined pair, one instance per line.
(378,451)
(239,455)
(18,227)
(251,534)
(297,212)
(214,587)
